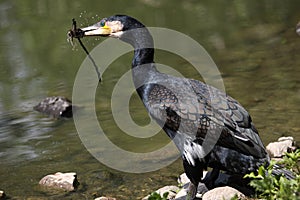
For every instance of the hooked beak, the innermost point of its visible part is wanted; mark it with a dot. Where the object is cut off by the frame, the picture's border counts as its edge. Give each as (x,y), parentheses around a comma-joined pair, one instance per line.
(96,30)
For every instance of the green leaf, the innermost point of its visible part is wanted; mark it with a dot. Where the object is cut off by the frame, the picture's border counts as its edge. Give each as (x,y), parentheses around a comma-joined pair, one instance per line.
(165,195)
(272,187)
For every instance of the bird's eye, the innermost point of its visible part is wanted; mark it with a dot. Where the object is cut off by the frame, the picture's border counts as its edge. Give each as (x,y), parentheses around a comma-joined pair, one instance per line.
(102,22)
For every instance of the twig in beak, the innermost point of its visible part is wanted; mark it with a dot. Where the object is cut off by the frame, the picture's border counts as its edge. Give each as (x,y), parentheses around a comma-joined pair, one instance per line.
(78,33)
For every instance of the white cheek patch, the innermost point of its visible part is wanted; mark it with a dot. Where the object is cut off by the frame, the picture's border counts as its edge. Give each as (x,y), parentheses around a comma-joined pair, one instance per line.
(115,26)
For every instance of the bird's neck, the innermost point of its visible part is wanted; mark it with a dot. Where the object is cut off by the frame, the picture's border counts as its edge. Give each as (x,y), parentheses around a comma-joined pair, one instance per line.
(143,56)
(143,69)
(142,42)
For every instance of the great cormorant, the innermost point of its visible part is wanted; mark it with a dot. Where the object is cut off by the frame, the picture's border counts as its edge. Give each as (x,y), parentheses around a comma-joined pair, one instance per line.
(189,111)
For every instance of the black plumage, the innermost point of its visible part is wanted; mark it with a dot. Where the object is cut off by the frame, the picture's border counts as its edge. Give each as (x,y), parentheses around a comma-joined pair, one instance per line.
(210,128)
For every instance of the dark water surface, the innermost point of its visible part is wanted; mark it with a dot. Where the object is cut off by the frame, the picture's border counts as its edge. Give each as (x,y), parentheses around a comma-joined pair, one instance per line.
(253,43)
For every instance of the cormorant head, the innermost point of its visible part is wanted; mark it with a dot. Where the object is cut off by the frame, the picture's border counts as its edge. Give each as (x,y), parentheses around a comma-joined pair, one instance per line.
(113,26)
(123,27)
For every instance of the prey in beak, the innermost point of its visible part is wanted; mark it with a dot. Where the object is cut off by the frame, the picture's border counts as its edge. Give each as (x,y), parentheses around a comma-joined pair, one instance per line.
(79,33)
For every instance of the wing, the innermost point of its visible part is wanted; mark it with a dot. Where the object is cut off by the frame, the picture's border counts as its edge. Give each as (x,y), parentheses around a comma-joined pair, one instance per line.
(207,109)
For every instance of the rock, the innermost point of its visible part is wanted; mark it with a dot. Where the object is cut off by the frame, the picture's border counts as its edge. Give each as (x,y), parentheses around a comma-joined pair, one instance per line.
(285,139)
(223,179)
(181,195)
(172,190)
(183,179)
(65,181)
(222,193)
(282,146)
(234,181)
(2,194)
(55,106)
(105,198)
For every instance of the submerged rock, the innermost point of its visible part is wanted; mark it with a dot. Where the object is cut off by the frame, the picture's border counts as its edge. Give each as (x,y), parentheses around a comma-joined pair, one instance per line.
(55,106)
(223,193)
(65,181)
(282,146)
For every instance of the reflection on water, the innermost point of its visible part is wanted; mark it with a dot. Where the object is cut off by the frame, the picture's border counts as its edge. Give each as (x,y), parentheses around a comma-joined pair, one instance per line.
(252,42)
(16,135)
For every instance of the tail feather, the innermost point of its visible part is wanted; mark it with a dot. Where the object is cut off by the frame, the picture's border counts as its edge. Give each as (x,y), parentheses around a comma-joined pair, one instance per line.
(279,171)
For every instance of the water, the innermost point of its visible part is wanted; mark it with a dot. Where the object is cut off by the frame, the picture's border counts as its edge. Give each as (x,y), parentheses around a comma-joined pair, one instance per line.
(253,44)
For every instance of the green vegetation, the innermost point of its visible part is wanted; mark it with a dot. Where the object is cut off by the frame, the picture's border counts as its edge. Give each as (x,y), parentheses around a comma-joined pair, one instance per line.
(156,196)
(278,187)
